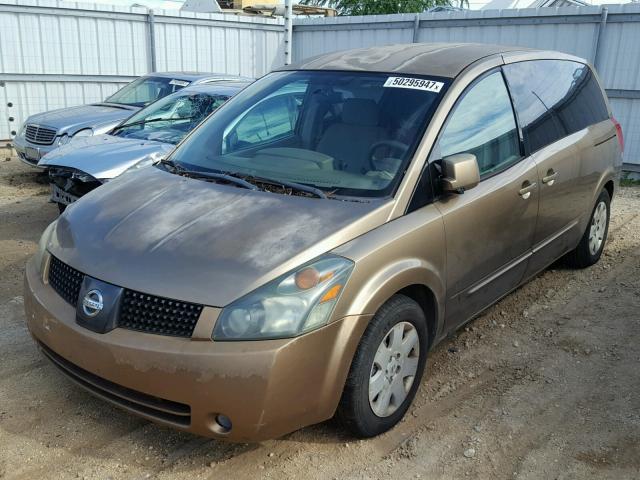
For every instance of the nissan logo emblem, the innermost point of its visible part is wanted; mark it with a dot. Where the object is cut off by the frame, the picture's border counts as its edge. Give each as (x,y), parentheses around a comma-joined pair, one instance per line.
(92,303)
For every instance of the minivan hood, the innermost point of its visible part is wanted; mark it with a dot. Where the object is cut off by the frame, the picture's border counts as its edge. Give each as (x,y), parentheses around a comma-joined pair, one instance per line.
(104,156)
(197,241)
(72,119)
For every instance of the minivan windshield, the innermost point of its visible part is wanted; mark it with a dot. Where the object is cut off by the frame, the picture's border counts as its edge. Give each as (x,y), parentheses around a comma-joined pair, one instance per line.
(171,118)
(346,133)
(146,90)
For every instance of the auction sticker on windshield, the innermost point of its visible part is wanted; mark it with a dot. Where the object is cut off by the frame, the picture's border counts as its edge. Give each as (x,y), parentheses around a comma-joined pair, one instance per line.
(179,83)
(414,83)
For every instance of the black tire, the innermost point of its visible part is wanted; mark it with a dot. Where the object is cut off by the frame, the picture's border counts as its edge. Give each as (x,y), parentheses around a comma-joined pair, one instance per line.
(582,256)
(61,207)
(354,409)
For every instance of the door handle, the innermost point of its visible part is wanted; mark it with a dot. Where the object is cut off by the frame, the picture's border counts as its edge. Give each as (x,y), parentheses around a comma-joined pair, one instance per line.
(527,188)
(550,178)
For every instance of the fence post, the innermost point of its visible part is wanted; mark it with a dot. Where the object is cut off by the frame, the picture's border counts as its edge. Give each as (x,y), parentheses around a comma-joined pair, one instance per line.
(416,28)
(604,11)
(288,31)
(151,31)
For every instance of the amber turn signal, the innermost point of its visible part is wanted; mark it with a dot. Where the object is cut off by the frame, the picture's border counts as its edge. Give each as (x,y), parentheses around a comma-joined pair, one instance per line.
(331,293)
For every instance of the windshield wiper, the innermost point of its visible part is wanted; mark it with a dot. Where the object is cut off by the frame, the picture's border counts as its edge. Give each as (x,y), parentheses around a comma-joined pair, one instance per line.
(143,122)
(301,187)
(246,181)
(180,170)
(123,106)
(219,176)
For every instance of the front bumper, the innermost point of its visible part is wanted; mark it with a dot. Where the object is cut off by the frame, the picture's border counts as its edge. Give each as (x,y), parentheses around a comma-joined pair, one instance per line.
(267,388)
(31,153)
(69,184)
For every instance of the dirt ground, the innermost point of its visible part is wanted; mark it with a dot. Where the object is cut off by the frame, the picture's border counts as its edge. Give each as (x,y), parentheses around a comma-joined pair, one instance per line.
(544,385)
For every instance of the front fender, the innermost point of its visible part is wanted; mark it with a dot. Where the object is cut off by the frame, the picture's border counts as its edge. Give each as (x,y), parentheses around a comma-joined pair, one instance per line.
(394,277)
(407,251)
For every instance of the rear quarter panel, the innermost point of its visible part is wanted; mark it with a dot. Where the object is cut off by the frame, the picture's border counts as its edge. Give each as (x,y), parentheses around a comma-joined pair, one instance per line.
(600,162)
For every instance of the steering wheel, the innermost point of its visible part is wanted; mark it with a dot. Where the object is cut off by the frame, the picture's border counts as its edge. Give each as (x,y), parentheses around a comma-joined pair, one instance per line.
(394,145)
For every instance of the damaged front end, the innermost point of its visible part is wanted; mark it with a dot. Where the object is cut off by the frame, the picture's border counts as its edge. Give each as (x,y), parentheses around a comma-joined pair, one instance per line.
(69,184)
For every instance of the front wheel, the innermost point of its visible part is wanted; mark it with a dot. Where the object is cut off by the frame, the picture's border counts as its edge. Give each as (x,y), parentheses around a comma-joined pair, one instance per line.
(592,242)
(386,370)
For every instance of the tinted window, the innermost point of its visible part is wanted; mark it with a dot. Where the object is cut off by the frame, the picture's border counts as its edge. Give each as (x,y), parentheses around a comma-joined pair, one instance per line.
(554,98)
(482,123)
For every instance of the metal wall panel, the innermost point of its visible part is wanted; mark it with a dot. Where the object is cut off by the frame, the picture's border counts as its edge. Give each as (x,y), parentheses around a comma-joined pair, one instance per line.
(577,31)
(56,54)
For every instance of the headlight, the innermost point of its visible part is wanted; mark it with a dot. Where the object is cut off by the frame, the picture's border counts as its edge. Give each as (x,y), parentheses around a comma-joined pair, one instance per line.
(22,129)
(145,162)
(87,132)
(38,258)
(64,139)
(292,304)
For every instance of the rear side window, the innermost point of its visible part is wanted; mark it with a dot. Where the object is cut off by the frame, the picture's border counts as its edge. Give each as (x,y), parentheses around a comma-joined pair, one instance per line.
(482,123)
(553,99)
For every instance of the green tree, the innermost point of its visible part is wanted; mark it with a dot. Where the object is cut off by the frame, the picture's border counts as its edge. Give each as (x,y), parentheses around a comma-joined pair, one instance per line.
(381,7)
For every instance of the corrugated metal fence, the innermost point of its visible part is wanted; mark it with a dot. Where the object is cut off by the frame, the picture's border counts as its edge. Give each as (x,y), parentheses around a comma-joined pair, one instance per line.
(607,36)
(55,54)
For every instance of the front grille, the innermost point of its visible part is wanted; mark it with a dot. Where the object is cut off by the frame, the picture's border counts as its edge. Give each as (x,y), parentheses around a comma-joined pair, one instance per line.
(40,135)
(66,281)
(150,406)
(163,316)
(138,311)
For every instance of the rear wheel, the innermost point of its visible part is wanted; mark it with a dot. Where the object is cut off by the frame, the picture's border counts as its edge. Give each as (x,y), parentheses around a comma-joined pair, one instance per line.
(592,242)
(386,370)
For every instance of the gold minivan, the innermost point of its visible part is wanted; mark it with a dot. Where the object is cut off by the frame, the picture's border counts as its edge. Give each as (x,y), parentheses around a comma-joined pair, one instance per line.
(299,253)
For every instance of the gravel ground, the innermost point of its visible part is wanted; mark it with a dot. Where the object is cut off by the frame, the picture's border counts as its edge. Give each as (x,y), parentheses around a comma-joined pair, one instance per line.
(545,384)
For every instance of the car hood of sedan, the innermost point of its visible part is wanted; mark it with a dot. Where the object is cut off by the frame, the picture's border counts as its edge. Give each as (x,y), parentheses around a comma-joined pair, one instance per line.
(104,156)
(198,241)
(72,119)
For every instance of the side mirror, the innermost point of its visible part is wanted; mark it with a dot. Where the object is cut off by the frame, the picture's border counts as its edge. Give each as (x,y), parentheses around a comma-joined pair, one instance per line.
(460,172)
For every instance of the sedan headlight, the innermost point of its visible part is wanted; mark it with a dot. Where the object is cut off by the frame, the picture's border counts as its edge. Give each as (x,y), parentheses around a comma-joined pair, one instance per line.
(38,258)
(145,162)
(64,139)
(290,305)
(86,132)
